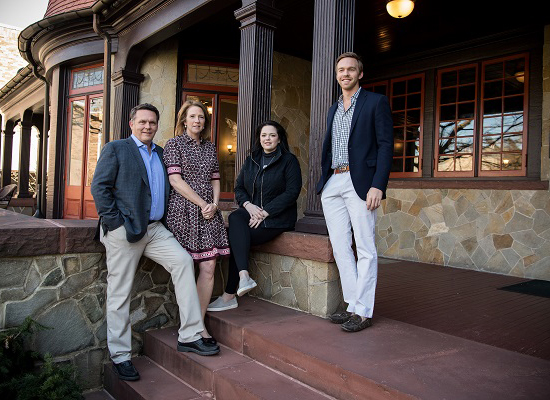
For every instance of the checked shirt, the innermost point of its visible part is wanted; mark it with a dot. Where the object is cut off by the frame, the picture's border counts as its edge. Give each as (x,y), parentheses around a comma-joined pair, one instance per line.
(341,126)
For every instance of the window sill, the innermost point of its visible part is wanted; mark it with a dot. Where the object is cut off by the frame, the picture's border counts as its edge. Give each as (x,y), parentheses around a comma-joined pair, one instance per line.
(473,183)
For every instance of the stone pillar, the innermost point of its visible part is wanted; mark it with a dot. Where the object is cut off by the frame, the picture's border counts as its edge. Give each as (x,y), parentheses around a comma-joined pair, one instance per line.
(257,20)
(8,149)
(126,97)
(25,155)
(333,31)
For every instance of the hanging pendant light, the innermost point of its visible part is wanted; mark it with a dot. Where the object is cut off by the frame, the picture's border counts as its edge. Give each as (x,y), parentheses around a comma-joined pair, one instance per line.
(400,8)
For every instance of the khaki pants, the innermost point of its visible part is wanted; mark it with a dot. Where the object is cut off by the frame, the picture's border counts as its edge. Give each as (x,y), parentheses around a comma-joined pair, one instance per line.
(159,245)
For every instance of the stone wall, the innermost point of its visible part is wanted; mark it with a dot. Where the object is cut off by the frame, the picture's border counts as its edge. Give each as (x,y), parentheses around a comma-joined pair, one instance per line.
(66,292)
(160,68)
(501,231)
(545,151)
(290,105)
(11,60)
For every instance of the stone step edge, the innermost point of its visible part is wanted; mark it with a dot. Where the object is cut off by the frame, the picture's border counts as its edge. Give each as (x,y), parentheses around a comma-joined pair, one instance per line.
(128,384)
(153,341)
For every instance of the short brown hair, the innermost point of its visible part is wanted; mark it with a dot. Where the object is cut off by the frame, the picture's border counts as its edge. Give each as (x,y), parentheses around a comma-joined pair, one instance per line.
(144,106)
(182,114)
(350,54)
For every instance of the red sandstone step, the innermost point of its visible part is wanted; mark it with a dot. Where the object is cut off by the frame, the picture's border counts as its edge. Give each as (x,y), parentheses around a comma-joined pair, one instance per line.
(155,384)
(98,395)
(227,376)
(389,360)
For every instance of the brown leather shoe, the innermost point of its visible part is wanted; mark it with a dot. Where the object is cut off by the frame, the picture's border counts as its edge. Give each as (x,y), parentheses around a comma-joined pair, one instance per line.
(356,324)
(340,317)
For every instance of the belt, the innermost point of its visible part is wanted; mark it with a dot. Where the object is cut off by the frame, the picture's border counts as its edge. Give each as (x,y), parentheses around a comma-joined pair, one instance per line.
(341,170)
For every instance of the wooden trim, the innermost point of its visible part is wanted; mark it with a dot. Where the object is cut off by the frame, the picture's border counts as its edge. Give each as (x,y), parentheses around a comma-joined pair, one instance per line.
(478,183)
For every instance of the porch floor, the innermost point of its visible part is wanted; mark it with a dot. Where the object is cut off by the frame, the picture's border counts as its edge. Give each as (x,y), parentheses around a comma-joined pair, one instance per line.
(464,303)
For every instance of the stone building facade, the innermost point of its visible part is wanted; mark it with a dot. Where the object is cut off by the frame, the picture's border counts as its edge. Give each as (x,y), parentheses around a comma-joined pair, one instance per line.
(11,60)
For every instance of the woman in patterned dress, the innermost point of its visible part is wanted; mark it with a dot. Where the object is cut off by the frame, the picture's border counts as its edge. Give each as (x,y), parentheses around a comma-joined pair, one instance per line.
(193,216)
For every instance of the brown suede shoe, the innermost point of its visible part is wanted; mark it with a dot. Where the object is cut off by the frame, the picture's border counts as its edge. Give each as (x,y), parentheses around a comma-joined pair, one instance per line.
(356,324)
(340,317)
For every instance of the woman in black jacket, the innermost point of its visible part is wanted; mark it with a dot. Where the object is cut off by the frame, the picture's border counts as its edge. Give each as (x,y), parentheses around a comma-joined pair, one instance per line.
(266,190)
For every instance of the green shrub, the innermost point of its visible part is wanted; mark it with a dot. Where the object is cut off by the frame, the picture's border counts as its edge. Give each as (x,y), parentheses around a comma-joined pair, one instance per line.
(21,380)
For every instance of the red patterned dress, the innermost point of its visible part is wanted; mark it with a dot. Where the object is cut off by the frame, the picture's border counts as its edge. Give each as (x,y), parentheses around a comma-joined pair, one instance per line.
(204,239)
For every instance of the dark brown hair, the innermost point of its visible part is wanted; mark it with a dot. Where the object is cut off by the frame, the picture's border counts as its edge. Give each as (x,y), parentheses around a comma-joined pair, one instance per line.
(144,106)
(281,132)
(182,114)
(350,54)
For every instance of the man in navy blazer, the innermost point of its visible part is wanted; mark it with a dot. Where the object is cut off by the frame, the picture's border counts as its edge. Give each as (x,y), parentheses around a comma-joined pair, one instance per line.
(356,161)
(130,189)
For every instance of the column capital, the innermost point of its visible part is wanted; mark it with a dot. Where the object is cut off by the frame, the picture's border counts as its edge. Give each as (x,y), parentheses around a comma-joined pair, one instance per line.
(129,77)
(258,12)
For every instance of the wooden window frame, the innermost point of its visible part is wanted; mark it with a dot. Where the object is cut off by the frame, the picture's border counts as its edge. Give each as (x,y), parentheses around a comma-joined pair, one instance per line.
(388,83)
(525,132)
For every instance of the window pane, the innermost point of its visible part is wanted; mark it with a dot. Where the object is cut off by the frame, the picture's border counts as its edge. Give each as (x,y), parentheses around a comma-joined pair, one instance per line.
(94,137)
(398,133)
(398,149)
(492,89)
(448,113)
(398,118)
(448,79)
(227,136)
(465,127)
(446,164)
(76,142)
(413,132)
(411,164)
(446,129)
(513,86)
(413,117)
(493,71)
(88,77)
(212,75)
(492,107)
(511,162)
(414,101)
(513,123)
(399,88)
(398,103)
(513,104)
(414,85)
(411,149)
(512,142)
(464,163)
(466,93)
(492,125)
(467,75)
(397,165)
(491,144)
(466,110)
(465,145)
(448,96)
(447,146)
(512,67)
(490,162)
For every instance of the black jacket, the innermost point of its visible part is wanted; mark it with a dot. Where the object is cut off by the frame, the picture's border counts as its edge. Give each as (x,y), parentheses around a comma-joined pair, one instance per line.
(281,182)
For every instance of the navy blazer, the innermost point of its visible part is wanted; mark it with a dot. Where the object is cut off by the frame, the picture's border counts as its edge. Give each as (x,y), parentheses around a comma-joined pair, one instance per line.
(121,189)
(370,145)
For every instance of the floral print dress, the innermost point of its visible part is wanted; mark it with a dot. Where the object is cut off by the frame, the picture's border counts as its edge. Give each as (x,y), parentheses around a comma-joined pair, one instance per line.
(204,239)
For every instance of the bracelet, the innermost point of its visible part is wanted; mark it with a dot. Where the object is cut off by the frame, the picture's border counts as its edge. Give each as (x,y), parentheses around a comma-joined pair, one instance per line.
(216,204)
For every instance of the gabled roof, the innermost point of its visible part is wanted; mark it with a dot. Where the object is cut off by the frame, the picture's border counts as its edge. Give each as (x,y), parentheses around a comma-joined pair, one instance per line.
(63,6)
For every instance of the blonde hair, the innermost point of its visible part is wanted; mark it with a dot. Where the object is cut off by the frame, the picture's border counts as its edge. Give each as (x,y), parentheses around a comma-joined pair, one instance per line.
(182,114)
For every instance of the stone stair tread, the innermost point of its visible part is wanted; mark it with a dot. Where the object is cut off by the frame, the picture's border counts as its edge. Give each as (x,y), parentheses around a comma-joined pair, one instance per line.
(228,375)
(98,395)
(155,384)
(390,358)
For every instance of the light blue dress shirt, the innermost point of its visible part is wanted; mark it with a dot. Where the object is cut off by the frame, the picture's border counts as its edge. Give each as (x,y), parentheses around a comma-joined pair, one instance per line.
(155,175)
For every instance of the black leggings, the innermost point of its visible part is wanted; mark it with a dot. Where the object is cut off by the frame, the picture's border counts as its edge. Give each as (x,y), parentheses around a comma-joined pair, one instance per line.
(241,237)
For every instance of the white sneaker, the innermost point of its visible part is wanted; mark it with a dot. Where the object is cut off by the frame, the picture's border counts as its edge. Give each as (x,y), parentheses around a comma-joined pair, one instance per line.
(245,286)
(220,305)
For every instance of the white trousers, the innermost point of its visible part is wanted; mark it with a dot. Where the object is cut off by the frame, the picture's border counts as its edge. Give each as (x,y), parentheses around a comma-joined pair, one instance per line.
(160,245)
(344,210)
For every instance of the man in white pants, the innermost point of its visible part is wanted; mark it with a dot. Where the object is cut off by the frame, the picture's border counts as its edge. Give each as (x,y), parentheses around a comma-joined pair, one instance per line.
(130,189)
(356,161)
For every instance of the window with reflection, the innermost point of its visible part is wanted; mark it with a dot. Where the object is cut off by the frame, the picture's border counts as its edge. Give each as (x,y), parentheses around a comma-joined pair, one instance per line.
(406,97)
(216,85)
(480,112)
